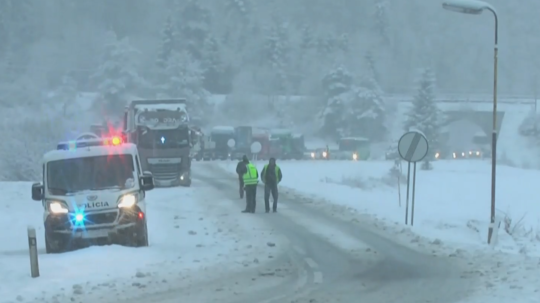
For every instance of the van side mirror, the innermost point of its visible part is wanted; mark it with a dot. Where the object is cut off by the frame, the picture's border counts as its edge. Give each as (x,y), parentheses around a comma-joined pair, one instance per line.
(146,181)
(37,192)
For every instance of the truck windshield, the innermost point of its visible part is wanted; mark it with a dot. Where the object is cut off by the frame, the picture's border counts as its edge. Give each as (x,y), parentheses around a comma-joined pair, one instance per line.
(163,138)
(90,173)
(352,145)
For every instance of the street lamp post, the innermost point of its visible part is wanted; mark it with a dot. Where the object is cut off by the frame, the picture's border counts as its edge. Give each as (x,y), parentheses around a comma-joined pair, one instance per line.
(473,7)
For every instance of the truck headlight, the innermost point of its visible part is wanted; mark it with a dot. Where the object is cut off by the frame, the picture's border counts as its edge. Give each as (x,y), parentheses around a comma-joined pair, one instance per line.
(312,155)
(57,207)
(478,153)
(355,157)
(437,155)
(324,154)
(127,201)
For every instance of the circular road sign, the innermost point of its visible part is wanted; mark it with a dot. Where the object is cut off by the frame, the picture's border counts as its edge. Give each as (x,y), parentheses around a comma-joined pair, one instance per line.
(413,146)
(256,147)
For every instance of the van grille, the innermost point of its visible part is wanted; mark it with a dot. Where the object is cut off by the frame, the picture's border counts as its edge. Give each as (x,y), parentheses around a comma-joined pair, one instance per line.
(100,218)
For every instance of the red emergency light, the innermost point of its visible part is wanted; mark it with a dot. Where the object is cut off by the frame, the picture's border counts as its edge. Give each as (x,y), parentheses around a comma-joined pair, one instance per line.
(113,141)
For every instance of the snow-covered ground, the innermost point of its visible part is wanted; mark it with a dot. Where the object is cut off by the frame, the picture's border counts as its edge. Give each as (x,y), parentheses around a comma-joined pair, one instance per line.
(452,210)
(192,234)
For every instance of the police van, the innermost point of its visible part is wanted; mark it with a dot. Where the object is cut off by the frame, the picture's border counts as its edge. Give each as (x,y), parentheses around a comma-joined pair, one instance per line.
(93,192)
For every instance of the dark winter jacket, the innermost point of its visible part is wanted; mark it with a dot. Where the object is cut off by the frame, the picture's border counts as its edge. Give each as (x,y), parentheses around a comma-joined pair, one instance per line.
(269,176)
(241,169)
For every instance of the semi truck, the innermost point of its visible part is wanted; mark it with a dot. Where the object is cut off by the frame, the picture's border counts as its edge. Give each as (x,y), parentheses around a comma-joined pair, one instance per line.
(161,131)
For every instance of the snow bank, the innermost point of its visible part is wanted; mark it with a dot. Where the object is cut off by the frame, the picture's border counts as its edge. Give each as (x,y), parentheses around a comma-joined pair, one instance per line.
(192,238)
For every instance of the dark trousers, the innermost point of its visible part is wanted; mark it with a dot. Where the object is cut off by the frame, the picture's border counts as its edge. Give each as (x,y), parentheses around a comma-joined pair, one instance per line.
(251,196)
(241,182)
(270,189)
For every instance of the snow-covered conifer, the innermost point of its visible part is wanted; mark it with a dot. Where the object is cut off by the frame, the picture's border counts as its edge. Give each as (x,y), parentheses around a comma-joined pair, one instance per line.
(117,74)
(380,19)
(186,81)
(425,115)
(168,43)
(367,111)
(337,85)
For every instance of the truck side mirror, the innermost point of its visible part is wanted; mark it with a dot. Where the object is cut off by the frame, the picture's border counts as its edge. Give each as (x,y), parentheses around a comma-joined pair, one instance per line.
(146,181)
(37,192)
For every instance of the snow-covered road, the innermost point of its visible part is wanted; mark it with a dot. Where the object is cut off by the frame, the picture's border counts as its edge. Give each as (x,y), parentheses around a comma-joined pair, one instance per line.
(194,235)
(319,247)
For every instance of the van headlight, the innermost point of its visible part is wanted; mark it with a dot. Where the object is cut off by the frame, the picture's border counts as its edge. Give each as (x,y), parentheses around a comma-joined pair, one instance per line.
(437,155)
(57,207)
(324,154)
(127,201)
(312,155)
(355,157)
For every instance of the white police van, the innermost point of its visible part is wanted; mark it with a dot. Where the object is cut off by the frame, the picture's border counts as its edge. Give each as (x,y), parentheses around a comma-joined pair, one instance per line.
(93,192)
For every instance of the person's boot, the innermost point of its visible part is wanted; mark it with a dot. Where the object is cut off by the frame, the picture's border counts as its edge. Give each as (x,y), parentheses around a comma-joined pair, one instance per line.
(246,211)
(267,211)
(275,210)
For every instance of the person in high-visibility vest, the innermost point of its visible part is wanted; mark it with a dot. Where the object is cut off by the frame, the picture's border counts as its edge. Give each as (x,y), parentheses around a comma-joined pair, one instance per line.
(271,176)
(251,179)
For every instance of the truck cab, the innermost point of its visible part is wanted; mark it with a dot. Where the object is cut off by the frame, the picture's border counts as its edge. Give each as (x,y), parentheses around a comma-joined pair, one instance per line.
(217,146)
(93,192)
(161,131)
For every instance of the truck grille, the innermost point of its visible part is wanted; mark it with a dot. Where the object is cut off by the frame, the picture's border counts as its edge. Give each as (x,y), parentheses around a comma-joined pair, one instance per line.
(165,171)
(100,218)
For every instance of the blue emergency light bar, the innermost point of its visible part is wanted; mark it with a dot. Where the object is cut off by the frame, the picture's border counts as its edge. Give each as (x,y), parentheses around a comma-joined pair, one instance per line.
(73,145)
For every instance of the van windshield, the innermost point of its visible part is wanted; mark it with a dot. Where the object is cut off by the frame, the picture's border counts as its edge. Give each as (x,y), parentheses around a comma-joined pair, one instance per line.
(90,173)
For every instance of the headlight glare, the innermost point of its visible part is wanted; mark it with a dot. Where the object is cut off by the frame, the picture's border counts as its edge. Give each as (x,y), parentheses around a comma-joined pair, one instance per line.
(56,207)
(127,201)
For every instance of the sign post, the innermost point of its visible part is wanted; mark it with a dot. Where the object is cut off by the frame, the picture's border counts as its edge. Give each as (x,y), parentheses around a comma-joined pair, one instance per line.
(256,148)
(413,147)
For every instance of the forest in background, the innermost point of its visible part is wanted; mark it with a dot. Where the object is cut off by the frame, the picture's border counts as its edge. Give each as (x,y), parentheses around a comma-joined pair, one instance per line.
(343,54)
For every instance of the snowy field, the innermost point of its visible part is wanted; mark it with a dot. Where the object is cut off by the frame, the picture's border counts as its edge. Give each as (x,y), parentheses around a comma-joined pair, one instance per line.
(452,212)
(192,238)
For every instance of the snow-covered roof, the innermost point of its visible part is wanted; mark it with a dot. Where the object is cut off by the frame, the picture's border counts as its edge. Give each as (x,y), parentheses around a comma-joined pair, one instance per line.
(297,136)
(161,106)
(222,129)
(354,138)
(93,151)
(281,131)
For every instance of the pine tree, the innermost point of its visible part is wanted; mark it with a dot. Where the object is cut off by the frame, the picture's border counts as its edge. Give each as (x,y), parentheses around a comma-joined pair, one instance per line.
(193,28)
(168,43)
(337,85)
(67,93)
(276,54)
(117,74)
(217,78)
(367,112)
(381,20)
(186,81)
(371,66)
(424,115)
(307,38)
